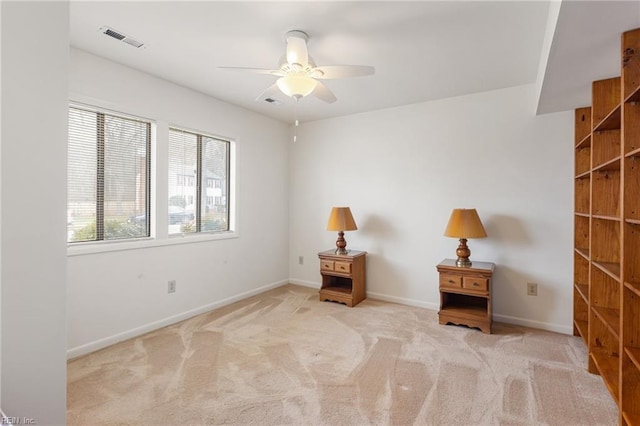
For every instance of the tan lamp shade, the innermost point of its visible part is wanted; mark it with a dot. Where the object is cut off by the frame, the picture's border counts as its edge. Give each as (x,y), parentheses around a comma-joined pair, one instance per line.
(465,223)
(341,220)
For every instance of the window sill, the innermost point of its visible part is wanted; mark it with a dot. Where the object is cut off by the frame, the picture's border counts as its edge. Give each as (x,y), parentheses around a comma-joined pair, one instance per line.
(79,249)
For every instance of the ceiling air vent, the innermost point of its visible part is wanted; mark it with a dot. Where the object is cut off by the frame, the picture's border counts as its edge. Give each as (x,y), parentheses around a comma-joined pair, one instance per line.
(119,36)
(272,101)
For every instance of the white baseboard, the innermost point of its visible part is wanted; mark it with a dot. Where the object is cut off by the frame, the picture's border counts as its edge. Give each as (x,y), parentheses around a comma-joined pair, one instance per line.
(557,328)
(404,301)
(310,284)
(134,332)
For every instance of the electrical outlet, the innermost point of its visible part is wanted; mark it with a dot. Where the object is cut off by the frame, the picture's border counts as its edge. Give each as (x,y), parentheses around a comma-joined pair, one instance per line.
(300,260)
(171,287)
(532,289)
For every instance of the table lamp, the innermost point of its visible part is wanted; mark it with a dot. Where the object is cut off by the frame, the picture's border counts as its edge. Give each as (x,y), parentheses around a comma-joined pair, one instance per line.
(463,224)
(341,220)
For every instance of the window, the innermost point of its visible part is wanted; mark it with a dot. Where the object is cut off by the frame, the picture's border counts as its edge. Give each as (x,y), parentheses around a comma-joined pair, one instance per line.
(204,159)
(108,176)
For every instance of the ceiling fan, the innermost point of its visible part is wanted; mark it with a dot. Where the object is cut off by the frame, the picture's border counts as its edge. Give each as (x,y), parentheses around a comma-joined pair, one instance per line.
(299,75)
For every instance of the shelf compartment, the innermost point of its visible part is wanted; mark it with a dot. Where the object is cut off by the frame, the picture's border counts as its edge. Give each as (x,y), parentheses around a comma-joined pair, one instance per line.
(634,287)
(584,143)
(605,146)
(581,328)
(582,195)
(613,164)
(631,329)
(604,297)
(633,96)
(605,184)
(630,71)
(634,153)
(631,252)
(611,121)
(607,366)
(583,175)
(630,404)
(605,111)
(631,128)
(337,290)
(581,311)
(335,283)
(584,252)
(607,276)
(464,304)
(632,187)
(583,292)
(605,244)
(634,356)
(610,318)
(581,297)
(581,232)
(581,272)
(610,268)
(582,160)
(604,353)
(582,124)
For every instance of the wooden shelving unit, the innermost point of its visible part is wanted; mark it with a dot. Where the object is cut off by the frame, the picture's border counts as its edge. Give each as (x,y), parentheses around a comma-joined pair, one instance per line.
(606,303)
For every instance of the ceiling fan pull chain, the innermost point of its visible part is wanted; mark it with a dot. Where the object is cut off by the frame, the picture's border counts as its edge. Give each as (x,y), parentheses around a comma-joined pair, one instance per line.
(296,123)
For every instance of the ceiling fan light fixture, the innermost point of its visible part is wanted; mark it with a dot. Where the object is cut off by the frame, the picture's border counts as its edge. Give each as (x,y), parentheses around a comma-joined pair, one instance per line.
(296,86)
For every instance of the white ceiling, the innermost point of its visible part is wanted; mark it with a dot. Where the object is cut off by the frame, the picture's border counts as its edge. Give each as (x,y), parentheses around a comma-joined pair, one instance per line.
(586,47)
(421,50)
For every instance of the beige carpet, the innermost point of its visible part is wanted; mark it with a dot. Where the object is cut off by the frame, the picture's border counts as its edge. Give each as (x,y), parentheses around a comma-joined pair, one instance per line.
(284,358)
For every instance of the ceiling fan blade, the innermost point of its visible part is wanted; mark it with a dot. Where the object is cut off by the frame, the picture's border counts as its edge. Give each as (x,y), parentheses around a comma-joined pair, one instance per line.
(270,94)
(297,48)
(342,71)
(323,93)
(254,70)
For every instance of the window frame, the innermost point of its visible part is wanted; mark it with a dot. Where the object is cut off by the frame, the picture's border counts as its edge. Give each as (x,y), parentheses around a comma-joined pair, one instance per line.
(100,172)
(159,181)
(201,182)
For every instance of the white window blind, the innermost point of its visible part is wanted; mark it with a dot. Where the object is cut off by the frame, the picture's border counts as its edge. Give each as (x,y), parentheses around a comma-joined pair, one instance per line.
(198,183)
(108,176)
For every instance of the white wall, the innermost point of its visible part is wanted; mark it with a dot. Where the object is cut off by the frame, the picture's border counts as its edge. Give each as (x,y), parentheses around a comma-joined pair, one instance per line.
(403,170)
(119,294)
(35,55)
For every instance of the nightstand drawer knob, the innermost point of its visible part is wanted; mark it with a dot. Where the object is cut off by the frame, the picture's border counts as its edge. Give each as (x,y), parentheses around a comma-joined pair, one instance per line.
(452,282)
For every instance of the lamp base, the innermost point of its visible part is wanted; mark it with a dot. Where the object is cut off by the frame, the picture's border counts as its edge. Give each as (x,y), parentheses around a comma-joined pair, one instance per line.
(463,263)
(463,253)
(341,243)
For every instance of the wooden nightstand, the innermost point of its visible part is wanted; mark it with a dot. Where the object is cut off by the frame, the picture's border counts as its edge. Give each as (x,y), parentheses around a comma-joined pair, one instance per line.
(465,294)
(343,276)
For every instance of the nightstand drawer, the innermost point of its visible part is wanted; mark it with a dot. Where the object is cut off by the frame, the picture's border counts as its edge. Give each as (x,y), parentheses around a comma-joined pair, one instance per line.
(474,283)
(326,265)
(451,281)
(344,267)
